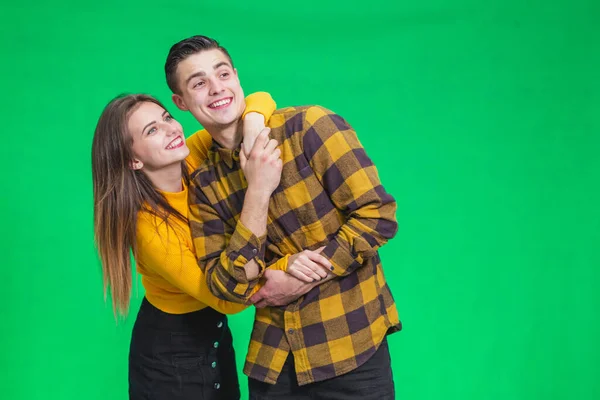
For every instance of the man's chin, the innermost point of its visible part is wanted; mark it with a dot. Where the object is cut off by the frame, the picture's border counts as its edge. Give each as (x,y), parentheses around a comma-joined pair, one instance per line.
(219,121)
(226,120)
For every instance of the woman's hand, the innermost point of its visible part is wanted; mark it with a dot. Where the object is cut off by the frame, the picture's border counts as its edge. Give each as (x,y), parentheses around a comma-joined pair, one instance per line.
(308,266)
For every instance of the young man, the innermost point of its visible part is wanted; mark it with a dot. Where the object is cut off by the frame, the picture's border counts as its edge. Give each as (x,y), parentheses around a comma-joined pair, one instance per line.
(311,188)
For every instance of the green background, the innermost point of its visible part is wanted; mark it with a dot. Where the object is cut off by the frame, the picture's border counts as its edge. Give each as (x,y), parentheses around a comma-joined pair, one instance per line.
(483,119)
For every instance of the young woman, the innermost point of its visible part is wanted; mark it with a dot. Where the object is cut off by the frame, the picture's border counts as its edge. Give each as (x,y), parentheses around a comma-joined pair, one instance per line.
(181,345)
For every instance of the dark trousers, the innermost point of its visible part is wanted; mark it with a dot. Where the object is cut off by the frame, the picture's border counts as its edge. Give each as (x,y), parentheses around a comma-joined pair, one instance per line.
(177,357)
(372,380)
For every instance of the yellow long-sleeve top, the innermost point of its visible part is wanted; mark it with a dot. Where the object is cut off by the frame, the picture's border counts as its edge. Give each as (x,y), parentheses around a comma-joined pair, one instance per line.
(165,255)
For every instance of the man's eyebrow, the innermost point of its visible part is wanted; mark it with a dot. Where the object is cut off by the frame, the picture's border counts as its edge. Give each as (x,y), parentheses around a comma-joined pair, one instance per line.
(202,73)
(194,75)
(220,64)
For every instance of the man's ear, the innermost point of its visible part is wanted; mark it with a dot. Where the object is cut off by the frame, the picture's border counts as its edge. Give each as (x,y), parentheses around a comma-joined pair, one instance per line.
(178,100)
(136,164)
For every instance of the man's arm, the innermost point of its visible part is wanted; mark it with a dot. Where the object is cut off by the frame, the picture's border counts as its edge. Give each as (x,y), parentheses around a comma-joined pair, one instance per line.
(232,258)
(280,289)
(259,108)
(352,183)
(162,249)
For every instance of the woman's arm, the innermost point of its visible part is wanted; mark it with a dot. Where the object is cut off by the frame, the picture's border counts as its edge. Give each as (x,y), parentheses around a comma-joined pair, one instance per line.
(259,108)
(160,250)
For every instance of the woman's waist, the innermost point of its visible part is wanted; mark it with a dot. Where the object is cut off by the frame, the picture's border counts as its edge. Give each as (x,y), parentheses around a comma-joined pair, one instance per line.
(154,315)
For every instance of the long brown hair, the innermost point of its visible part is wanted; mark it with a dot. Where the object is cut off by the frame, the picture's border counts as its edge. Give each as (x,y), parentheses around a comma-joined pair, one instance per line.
(119,194)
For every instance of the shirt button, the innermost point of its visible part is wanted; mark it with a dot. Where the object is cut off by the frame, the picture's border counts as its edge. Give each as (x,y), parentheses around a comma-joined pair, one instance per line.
(217,385)
(290,331)
(216,345)
(214,364)
(254,251)
(220,324)
(331,268)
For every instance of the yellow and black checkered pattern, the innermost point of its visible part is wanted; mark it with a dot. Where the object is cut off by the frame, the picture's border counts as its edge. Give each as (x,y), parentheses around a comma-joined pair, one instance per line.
(330,195)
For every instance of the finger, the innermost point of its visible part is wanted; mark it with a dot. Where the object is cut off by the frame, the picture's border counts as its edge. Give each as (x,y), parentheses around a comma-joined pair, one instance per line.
(260,143)
(300,275)
(243,158)
(279,164)
(250,132)
(261,304)
(276,154)
(314,271)
(247,146)
(256,297)
(268,273)
(271,146)
(319,259)
(323,262)
(320,249)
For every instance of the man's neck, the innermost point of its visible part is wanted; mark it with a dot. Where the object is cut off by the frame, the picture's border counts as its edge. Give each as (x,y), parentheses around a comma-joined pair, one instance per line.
(167,179)
(228,137)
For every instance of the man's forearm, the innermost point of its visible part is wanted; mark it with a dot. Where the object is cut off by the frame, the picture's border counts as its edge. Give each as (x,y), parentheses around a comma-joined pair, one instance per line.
(254,217)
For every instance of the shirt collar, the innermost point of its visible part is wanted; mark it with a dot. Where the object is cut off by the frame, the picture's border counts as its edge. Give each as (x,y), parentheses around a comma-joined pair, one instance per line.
(229,157)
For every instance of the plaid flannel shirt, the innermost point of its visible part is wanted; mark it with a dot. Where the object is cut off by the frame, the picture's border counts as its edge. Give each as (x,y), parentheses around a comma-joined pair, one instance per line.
(329,195)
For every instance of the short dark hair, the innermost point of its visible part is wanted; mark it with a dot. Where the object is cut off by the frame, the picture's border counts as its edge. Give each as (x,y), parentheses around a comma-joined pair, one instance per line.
(182,50)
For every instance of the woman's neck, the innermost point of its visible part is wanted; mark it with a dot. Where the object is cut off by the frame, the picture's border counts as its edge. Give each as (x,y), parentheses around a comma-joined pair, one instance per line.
(167,179)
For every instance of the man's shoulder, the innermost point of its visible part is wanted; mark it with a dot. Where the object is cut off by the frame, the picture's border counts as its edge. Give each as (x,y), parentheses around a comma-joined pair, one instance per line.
(289,120)
(293,111)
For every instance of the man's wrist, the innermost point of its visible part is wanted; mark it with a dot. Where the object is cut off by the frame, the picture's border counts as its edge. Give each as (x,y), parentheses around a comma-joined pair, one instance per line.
(257,194)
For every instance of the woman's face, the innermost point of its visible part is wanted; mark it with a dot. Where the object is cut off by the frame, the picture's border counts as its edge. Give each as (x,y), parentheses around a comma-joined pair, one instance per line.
(158,140)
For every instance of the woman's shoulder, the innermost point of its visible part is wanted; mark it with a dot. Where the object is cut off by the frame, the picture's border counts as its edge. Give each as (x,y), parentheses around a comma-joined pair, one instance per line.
(199,144)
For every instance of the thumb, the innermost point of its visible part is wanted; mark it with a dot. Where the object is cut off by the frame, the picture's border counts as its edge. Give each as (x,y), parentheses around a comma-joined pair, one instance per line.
(268,273)
(243,158)
(320,249)
(256,297)
(261,140)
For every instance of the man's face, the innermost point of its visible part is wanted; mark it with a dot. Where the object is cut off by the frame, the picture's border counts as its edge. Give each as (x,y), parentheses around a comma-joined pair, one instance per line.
(210,89)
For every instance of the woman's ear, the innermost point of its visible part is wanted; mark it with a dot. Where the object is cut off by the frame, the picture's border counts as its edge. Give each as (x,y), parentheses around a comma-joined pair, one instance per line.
(136,164)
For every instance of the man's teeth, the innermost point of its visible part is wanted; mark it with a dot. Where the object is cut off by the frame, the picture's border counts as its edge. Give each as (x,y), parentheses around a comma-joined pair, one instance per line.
(174,143)
(220,103)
